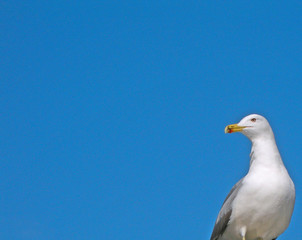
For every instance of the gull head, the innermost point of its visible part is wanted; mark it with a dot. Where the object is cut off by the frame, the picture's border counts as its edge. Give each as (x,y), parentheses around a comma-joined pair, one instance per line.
(253,126)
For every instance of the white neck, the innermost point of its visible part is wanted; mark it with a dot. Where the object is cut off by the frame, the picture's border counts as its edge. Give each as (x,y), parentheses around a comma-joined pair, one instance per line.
(265,153)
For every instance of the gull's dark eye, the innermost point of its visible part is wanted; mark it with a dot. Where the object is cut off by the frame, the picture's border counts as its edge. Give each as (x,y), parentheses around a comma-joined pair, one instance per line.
(253,119)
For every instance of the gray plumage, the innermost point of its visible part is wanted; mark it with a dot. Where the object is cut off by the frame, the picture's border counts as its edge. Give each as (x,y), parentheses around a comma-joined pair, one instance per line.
(225,212)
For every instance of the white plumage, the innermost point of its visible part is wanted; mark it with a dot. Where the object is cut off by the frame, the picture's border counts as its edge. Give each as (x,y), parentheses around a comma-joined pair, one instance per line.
(260,205)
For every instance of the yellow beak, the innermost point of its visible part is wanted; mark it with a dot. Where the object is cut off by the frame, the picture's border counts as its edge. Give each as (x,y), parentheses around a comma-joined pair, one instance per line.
(233,128)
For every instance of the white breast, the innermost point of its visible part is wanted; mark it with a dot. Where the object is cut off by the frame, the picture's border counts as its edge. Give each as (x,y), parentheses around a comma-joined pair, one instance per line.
(264,205)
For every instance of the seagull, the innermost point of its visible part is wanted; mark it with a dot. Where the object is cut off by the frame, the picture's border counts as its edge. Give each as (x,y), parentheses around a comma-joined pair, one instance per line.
(260,205)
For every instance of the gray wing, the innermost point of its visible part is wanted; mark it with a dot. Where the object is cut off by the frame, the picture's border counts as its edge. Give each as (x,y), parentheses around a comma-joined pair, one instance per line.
(225,212)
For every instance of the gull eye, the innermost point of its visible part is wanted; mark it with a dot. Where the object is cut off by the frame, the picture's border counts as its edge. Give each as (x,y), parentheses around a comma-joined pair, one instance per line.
(253,119)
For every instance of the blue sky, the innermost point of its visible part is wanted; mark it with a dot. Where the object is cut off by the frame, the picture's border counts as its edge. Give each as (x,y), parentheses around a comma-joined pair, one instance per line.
(113,113)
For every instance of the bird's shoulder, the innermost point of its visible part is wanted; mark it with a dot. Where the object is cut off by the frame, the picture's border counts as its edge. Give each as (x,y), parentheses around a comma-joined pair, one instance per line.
(225,212)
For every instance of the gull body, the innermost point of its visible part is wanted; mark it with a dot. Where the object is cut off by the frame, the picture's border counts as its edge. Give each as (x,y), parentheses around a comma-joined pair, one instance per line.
(260,205)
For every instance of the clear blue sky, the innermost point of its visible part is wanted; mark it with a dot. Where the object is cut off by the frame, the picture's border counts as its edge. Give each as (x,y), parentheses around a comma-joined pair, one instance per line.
(113,113)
